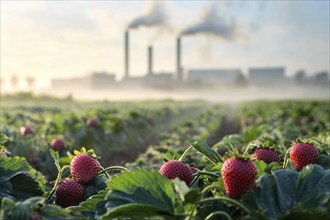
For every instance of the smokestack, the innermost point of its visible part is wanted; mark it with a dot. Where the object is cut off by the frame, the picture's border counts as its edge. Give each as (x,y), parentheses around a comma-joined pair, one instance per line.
(126,54)
(178,60)
(150,60)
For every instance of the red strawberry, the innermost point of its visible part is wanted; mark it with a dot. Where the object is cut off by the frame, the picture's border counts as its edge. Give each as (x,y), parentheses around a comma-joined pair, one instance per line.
(94,123)
(193,170)
(57,144)
(3,154)
(239,176)
(303,154)
(267,155)
(69,193)
(173,169)
(84,168)
(24,131)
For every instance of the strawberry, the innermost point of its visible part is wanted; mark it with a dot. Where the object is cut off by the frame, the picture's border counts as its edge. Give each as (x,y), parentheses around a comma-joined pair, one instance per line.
(57,144)
(84,168)
(69,193)
(3,154)
(173,169)
(239,176)
(267,155)
(193,170)
(24,131)
(93,123)
(303,154)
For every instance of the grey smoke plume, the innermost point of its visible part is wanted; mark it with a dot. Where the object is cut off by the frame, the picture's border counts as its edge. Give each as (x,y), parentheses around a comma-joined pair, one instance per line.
(156,16)
(214,24)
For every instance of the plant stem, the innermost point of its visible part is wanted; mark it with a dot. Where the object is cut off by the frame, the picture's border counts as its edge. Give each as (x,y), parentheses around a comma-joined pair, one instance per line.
(194,180)
(59,175)
(247,149)
(113,168)
(185,153)
(206,189)
(106,174)
(286,158)
(192,211)
(210,216)
(206,173)
(227,199)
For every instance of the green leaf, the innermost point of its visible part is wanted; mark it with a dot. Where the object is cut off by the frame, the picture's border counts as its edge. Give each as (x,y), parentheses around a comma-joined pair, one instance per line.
(286,192)
(56,157)
(187,195)
(13,166)
(261,167)
(142,193)
(18,180)
(34,208)
(207,151)
(25,187)
(3,139)
(94,206)
(324,161)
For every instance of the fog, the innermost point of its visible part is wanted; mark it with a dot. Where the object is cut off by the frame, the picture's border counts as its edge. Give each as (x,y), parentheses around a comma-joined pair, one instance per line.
(213,95)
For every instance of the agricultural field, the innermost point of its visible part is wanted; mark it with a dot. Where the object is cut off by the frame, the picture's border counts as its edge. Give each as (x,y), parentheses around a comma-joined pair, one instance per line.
(164,160)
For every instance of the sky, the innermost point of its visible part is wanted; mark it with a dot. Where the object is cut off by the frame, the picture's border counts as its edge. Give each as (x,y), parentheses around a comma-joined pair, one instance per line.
(65,39)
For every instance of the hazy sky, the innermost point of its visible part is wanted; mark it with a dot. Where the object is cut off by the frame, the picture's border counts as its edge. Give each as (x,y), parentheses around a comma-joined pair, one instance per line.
(60,39)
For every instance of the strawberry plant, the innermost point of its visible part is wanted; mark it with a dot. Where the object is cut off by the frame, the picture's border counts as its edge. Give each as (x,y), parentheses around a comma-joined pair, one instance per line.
(186,174)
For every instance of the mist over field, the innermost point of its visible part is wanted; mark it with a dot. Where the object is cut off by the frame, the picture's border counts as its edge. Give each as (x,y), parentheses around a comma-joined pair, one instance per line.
(214,95)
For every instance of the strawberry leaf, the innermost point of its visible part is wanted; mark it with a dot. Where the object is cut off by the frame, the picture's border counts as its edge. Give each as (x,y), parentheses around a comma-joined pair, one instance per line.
(18,180)
(34,208)
(207,151)
(3,139)
(292,194)
(139,194)
(187,195)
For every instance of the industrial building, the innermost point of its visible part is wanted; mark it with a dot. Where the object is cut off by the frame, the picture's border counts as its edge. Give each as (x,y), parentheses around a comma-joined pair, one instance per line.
(195,77)
(213,77)
(266,76)
(98,80)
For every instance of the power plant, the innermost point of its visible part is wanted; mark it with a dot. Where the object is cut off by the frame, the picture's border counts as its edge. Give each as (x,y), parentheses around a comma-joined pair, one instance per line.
(176,79)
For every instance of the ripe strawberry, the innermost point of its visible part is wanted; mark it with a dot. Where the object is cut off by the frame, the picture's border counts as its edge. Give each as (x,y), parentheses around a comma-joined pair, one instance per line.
(267,155)
(3,154)
(69,193)
(57,144)
(239,176)
(84,168)
(193,170)
(93,123)
(173,169)
(303,154)
(24,131)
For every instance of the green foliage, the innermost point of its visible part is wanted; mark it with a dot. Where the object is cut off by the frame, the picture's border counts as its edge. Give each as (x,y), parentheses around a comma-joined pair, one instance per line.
(207,151)
(17,180)
(286,194)
(3,139)
(141,193)
(145,194)
(34,208)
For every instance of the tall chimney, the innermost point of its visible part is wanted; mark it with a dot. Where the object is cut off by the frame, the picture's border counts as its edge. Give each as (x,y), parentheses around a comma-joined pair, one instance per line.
(150,60)
(178,60)
(126,54)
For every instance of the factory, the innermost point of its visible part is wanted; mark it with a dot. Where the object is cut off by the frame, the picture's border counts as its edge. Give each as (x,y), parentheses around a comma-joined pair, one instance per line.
(178,78)
(213,77)
(260,77)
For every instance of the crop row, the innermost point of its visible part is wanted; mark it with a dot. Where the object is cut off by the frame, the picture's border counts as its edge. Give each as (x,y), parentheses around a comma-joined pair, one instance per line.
(276,167)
